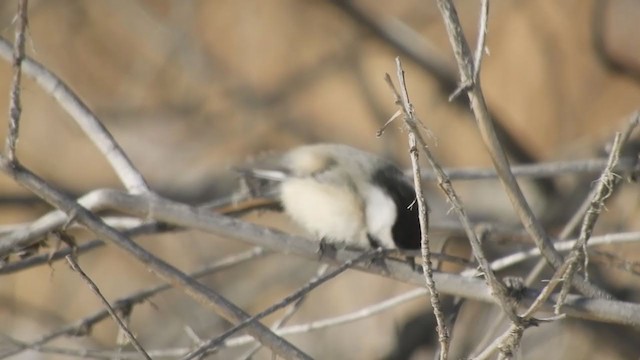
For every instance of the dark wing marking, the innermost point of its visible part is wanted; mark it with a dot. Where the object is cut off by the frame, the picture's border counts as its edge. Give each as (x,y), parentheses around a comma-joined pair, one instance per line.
(406,230)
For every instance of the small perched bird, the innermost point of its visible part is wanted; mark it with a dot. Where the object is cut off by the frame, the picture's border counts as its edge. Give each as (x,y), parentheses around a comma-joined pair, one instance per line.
(346,196)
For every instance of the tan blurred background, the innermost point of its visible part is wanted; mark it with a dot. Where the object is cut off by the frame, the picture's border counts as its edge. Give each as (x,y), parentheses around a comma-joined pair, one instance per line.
(190,88)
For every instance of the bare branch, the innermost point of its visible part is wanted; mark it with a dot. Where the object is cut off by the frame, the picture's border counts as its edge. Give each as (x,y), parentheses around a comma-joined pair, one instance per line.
(520,256)
(402,98)
(15,108)
(539,170)
(569,267)
(415,47)
(94,288)
(201,219)
(199,292)
(84,325)
(307,288)
(24,236)
(497,288)
(603,190)
(482,37)
(357,315)
(288,314)
(498,157)
(36,230)
(86,119)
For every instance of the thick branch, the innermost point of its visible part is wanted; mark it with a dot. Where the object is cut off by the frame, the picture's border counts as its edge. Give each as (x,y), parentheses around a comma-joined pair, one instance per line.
(201,219)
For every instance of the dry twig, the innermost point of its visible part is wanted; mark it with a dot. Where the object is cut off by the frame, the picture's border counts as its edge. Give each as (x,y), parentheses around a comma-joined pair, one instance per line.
(84,325)
(414,46)
(402,99)
(303,291)
(73,263)
(498,157)
(288,314)
(86,119)
(199,292)
(511,339)
(15,109)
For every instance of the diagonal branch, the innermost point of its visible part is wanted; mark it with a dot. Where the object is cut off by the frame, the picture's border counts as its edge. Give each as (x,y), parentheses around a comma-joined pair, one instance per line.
(485,125)
(15,109)
(402,99)
(603,190)
(162,269)
(178,214)
(304,290)
(498,290)
(86,119)
(71,259)
(84,325)
(412,45)
(194,218)
(510,341)
(482,38)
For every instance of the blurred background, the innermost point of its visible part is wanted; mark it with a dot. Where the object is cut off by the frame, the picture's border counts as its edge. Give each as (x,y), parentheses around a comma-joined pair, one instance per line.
(191,88)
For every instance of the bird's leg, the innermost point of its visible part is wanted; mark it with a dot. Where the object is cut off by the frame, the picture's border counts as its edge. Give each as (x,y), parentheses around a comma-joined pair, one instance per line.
(412,263)
(326,247)
(379,258)
(409,256)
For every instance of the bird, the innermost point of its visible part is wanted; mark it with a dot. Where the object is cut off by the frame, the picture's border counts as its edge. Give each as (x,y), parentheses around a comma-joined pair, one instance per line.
(345,196)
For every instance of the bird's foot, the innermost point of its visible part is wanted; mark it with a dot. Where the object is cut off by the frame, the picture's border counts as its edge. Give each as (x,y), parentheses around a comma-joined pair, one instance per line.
(325,248)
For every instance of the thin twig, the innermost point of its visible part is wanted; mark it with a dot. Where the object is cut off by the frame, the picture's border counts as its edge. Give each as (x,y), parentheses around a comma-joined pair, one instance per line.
(497,288)
(571,225)
(480,49)
(485,124)
(568,268)
(92,285)
(213,343)
(159,267)
(357,315)
(520,256)
(84,325)
(15,108)
(38,229)
(603,190)
(539,170)
(402,99)
(287,315)
(414,46)
(362,313)
(482,38)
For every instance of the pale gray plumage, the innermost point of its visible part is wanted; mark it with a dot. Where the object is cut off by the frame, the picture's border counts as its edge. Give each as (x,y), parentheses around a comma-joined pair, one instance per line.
(346,196)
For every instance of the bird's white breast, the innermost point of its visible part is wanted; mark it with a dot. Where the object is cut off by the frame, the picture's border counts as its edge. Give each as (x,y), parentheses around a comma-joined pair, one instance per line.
(332,211)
